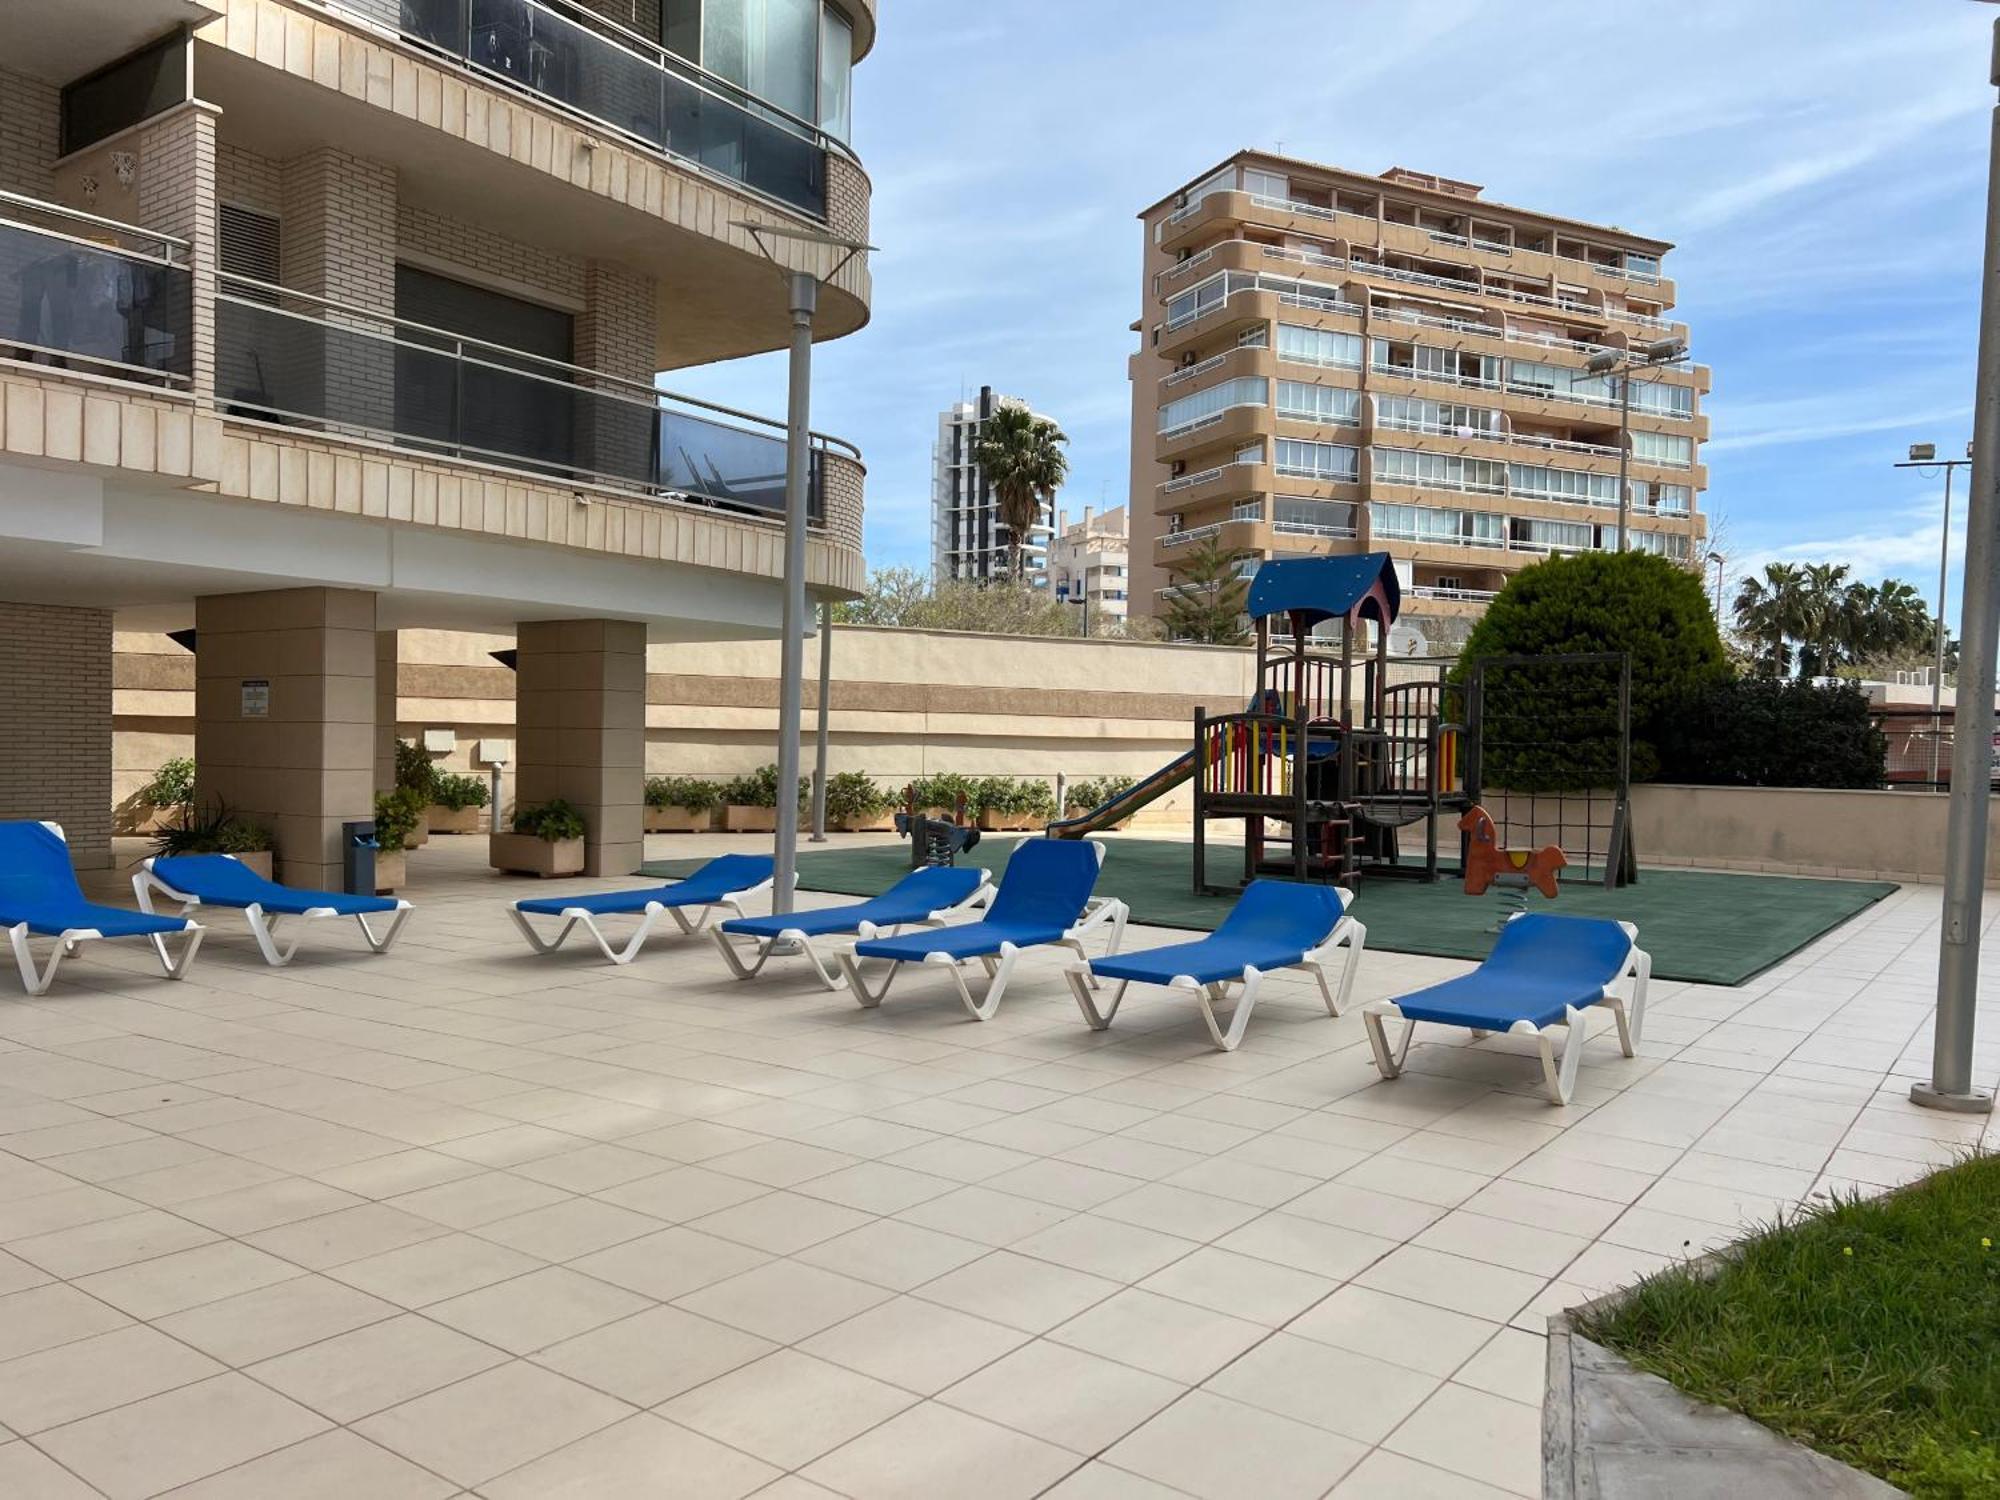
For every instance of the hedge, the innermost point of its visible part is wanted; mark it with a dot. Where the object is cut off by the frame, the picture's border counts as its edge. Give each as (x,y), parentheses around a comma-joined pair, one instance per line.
(1759,731)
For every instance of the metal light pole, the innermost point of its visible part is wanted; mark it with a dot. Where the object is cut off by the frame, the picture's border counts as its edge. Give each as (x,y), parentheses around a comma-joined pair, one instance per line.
(1622,362)
(1951,1084)
(1718,559)
(825,685)
(804,289)
(1924,456)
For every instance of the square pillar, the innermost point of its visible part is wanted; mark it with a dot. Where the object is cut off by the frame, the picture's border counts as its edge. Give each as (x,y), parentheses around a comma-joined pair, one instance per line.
(580,731)
(388,711)
(285,718)
(55,696)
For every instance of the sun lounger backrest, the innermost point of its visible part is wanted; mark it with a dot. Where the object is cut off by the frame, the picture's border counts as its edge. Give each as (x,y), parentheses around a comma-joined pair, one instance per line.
(733,872)
(214,877)
(934,887)
(1283,915)
(1047,883)
(1540,944)
(34,863)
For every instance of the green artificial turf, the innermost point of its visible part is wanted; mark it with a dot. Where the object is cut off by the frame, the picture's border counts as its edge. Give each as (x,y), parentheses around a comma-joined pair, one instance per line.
(1713,928)
(1868,1329)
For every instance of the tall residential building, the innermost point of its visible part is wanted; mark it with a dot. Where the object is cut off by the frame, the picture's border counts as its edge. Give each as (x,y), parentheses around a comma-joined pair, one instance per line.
(1089,563)
(968,539)
(1335,362)
(320,319)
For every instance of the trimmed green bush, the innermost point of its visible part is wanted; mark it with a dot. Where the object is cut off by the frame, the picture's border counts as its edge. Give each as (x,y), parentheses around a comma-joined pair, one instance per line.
(943,791)
(416,770)
(456,793)
(399,814)
(853,796)
(1760,731)
(1558,726)
(1084,796)
(689,792)
(760,789)
(172,785)
(1028,796)
(551,821)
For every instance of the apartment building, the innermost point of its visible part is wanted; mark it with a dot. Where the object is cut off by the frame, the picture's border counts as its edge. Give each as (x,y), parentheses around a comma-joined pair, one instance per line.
(1337,362)
(1089,564)
(968,539)
(326,319)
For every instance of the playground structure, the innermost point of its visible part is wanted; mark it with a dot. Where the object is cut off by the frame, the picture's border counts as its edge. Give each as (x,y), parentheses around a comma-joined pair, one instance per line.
(934,840)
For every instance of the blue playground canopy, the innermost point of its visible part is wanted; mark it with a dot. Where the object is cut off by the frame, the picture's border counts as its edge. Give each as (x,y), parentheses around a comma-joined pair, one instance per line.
(1315,589)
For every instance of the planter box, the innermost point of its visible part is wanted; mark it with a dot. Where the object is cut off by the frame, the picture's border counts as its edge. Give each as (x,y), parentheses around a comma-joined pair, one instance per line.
(680,819)
(737,818)
(882,822)
(260,862)
(418,836)
(1005,822)
(392,871)
(444,820)
(527,855)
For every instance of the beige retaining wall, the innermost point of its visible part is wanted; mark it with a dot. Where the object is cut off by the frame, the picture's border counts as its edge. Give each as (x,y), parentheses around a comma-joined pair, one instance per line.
(1796,831)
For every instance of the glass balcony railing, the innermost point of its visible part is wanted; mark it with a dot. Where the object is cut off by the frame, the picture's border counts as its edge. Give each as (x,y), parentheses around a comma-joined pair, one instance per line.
(83,293)
(626,83)
(283,356)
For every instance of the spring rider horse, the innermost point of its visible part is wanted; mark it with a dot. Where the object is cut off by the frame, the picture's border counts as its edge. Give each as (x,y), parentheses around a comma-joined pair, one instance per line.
(1514,871)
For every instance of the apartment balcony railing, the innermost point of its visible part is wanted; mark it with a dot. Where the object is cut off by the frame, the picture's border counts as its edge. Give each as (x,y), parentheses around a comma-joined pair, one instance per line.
(1427,482)
(286,357)
(1190,372)
(1444,377)
(80,292)
(1188,538)
(1562,445)
(1465,596)
(1389,533)
(591,66)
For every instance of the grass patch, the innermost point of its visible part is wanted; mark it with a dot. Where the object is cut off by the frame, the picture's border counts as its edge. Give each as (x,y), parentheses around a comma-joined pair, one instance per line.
(1868,1329)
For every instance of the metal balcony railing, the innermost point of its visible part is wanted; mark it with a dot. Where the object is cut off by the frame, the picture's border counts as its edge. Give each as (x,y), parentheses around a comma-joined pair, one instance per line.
(594,67)
(81,292)
(288,357)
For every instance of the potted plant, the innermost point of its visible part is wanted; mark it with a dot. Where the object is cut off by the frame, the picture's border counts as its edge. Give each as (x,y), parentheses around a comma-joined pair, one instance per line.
(750,803)
(415,772)
(162,800)
(1084,796)
(455,803)
(214,829)
(398,815)
(945,795)
(547,840)
(681,804)
(855,804)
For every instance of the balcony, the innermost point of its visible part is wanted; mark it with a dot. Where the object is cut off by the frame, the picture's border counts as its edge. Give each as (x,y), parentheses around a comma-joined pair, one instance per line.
(82,293)
(301,361)
(624,83)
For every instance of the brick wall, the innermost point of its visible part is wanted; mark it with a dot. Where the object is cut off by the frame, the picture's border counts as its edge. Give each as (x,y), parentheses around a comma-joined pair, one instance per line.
(339,242)
(177,196)
(847,194)
(844,479)
(250,181)
(617,333)
(29,134)
(544,274)
(55,759)
(642,16)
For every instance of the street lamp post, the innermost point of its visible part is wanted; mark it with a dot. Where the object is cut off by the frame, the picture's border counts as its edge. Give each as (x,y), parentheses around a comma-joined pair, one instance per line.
(1951,1085)
(1718,559)
(1622,362)
(1924,456)
(804,302)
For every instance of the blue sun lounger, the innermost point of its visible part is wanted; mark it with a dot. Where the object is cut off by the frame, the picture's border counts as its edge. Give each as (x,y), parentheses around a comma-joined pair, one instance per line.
(724,881)
(39,896)
(1043,898)
(928,898)
(1275,924)
(224,880)
(1544,973)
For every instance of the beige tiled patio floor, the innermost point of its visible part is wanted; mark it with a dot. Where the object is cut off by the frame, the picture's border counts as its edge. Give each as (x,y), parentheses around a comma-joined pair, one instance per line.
(466,1221)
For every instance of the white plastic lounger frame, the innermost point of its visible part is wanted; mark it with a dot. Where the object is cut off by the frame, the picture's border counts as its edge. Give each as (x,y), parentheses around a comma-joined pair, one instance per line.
(1558,1074)
(792,940)
(263,924)
(1349,934)
(578,916)
(1101,911)
(37,983)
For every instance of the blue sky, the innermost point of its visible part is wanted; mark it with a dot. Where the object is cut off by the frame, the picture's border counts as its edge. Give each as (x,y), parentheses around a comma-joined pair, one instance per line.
(1820,163)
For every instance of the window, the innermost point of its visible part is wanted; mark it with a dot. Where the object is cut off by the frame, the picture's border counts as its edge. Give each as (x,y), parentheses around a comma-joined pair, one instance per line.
(1671,499)
(1645,267)
(1424,523)
(1257,336)
(1672,544)
(1663,399)
(1533,378)
(1332,463)
(247,243)
(1439,470)
(1445,418)
(1672,448)
(1266,184)
(1319,346)
(1575,485)
(1556,536)
(1329,517)
(796,54)
(1204,406)
(1303,402)
(836,75)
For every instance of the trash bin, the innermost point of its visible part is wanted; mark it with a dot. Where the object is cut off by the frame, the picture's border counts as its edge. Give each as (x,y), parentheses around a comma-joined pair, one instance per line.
(357,865)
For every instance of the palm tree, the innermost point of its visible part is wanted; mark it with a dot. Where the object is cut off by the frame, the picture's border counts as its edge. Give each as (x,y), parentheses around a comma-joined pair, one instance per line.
(1022,457)
(1887,621)
(1207,596)
(1826,611)
(1770,613)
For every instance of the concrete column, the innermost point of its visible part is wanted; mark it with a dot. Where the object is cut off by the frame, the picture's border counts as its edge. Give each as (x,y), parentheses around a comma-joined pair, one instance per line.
(55,698)
(285,718)
(177,196)
(580,731)
(388,711)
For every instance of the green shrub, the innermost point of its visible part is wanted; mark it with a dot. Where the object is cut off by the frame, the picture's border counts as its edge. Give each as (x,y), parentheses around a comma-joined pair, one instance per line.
(689,792)
(212,829)
(1023,796)
(1760,731)
(1555,728)
(853,795)
(943,790)
(416,770)
(457,793)
(1083,796)
(760,789)
(551,821)
(398,815)
(172,785)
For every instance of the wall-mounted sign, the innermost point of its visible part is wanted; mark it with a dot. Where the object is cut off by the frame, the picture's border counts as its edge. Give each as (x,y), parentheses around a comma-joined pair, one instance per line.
(256,697)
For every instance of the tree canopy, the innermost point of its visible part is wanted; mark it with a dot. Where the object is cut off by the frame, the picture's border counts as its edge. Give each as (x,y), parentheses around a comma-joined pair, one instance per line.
(1022,457)
(1207,595)
(910,598)
(1813,619)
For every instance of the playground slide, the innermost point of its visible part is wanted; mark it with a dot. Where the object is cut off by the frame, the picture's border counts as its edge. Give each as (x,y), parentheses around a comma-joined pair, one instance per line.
(1121,807)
